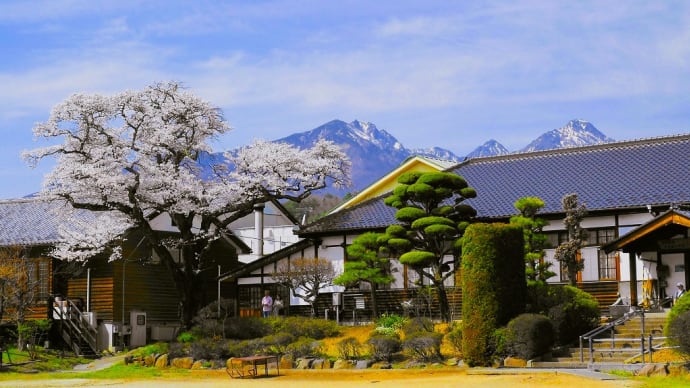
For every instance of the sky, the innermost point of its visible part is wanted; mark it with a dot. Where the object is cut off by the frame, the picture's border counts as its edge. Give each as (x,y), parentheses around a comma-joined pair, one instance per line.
(452,74)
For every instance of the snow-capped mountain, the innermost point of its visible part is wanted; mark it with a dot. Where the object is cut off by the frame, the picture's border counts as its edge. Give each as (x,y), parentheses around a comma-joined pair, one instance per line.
(490,148)
(575,133)
(372,151)
(375,152)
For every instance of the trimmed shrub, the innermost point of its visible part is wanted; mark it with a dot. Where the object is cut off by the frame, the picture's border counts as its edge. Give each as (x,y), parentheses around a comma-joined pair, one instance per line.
(304,347)
(423,345)
(304,327)
(493,286)
(242,348)
(384,346)
(175,350)
(681,306)
(349,348)
(246,327)
(679,331)
(209,349)
(417,325)
(573,312)
(277,343)
(528,336)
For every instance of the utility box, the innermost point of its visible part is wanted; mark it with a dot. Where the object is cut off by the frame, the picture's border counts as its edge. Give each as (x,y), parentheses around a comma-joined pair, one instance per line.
(337,299)
(137,323)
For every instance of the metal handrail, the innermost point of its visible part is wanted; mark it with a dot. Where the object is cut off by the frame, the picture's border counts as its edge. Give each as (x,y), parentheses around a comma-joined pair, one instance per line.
(590,335)
(75,325)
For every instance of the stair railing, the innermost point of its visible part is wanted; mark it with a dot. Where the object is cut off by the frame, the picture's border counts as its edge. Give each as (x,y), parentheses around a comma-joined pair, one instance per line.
(75,327)
(609,327)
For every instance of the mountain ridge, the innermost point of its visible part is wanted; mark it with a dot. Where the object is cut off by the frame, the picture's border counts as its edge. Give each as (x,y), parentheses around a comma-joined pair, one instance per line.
(374,152)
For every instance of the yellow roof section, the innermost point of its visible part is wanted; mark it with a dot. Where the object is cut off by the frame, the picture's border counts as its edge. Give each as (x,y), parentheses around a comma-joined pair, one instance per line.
(389,181)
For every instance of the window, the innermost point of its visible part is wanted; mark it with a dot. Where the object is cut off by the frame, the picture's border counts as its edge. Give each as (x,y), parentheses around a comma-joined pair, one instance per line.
(600,236)
(555,239)
(564,272)
(38,278)
(608,266)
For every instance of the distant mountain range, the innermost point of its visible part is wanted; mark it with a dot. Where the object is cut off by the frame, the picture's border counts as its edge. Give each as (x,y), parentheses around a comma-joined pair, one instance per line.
(375,152)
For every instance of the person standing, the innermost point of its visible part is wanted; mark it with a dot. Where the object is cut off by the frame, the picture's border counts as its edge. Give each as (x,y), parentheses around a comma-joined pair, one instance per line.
(277,305)
(266,304)
(680,292)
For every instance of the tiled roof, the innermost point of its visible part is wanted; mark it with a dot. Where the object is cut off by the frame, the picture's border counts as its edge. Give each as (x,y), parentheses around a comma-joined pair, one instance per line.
(29,221)
(608,176)
(369,215)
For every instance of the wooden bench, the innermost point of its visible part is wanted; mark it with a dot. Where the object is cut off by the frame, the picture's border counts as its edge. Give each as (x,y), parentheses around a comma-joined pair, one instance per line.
(240,367)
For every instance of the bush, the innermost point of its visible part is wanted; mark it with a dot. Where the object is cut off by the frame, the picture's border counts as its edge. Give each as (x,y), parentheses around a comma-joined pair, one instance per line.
(186,337)
(681,306)
(389,323)
(493,286)
(304,347)
(243,348)
(155,348)
(528,336)
(423,345)
(176,350)
(246,327)
(384,346)
(349,348)
(418,324)
(209,349)
(679,330)
(573,312)
(304,327)
(277,343)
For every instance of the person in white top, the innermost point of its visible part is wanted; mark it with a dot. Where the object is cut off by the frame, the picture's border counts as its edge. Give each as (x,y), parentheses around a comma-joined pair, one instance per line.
(680,292)
(266,304)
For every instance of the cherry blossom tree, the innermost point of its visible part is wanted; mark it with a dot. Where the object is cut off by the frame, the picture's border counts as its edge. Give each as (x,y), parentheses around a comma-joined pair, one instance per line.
(305,277)
(133,155)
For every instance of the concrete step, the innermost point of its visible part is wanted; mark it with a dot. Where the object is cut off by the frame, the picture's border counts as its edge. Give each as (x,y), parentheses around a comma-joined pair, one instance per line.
(551,364)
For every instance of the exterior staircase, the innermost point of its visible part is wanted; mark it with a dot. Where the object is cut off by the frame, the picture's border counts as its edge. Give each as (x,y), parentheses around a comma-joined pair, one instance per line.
(615,343)
(75,329)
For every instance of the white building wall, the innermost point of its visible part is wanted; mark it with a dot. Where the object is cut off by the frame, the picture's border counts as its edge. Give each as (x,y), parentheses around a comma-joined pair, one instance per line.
(591,260)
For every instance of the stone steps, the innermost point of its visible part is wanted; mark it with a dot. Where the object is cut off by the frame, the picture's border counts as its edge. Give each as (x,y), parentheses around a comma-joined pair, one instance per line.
(626,344)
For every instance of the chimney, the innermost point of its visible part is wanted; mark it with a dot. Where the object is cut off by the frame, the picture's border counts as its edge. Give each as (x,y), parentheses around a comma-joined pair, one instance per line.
(259,227)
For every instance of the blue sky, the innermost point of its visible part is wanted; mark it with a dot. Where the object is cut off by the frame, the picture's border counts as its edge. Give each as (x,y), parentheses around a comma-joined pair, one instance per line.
(432,73)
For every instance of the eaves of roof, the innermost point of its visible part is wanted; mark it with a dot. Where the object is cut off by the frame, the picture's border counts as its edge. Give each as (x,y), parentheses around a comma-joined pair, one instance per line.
(265,260)
(669,217)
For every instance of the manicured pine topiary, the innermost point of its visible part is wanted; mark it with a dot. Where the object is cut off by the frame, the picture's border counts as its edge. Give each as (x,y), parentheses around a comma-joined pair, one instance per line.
(432,218)
(493,286)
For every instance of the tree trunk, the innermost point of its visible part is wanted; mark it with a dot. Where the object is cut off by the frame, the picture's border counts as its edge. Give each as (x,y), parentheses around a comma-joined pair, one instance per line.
(443,302)
(374,305)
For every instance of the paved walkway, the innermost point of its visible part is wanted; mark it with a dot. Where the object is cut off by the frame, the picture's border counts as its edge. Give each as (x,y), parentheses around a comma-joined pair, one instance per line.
(98,364)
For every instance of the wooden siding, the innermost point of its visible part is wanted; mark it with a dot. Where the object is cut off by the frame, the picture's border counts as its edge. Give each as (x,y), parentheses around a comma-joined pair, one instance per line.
(148,288)
(101,295)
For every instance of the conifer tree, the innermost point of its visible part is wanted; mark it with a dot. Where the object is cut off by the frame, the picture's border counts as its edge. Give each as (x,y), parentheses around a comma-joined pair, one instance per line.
(432,219)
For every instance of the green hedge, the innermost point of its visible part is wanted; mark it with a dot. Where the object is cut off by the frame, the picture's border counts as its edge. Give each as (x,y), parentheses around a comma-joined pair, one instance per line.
(493,286)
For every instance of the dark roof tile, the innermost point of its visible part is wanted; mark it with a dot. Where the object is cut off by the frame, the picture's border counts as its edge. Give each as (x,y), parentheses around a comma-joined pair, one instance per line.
(608,176)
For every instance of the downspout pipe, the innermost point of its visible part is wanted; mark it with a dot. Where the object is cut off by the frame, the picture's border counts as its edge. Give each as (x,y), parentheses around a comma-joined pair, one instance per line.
(259,227)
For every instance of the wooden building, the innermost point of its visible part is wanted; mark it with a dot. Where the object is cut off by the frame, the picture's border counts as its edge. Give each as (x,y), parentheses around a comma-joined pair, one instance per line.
(99,304)
(628,188)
